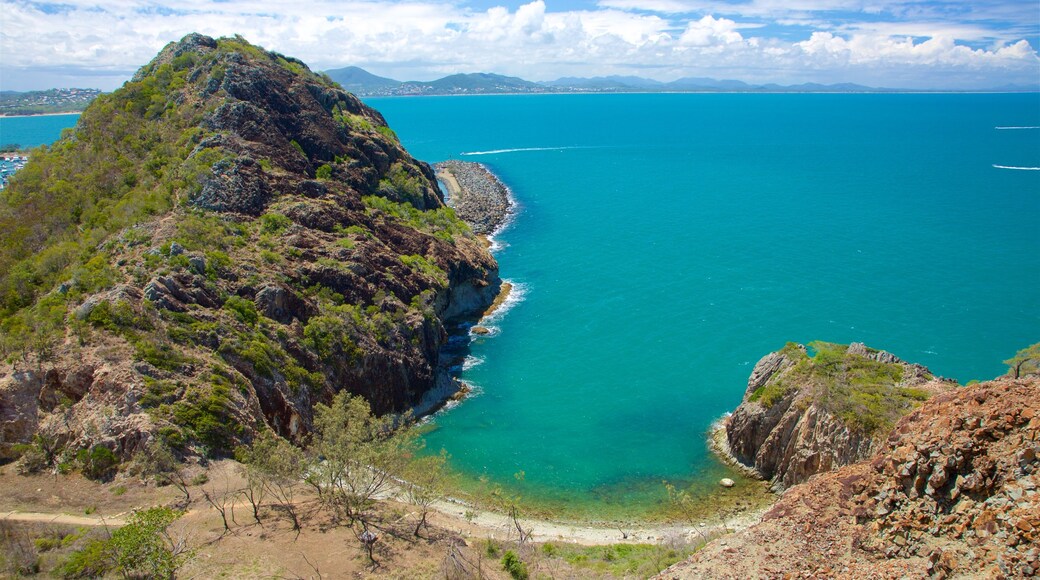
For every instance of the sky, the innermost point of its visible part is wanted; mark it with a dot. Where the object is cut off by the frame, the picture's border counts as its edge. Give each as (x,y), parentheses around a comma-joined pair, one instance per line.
(915,44)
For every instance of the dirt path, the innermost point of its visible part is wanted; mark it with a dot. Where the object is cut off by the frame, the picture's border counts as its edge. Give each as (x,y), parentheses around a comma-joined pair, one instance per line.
(40,517)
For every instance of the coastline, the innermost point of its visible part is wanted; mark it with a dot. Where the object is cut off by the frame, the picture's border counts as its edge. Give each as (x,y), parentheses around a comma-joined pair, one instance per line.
(5,116)
(483,202)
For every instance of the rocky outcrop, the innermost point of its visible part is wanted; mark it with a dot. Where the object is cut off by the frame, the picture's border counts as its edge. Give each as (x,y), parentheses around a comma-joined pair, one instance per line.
(954,491)
(282,246)
(801,416)
(476,195)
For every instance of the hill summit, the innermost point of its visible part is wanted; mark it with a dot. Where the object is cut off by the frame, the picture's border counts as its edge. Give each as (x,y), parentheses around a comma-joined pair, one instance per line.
(217,246)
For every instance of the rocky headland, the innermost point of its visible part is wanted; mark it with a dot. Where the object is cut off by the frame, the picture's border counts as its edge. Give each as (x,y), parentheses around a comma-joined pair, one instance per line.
(476,195)
(805,414)
(952,491)
(219,245)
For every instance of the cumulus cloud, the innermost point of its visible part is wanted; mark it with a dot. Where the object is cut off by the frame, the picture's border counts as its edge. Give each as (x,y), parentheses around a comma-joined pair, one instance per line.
(421,39)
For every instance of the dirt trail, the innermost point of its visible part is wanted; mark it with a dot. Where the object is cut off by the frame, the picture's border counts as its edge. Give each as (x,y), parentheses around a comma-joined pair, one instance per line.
(68,519)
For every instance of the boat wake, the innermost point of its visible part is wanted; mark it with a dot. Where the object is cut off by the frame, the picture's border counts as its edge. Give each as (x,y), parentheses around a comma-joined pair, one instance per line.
(1010,128)
(520,150)
(1016,168)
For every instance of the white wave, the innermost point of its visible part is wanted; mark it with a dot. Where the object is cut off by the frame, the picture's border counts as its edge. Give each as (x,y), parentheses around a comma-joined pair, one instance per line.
(471,361)
(1018,168)
(1008,128)
(516,296)
(520,150)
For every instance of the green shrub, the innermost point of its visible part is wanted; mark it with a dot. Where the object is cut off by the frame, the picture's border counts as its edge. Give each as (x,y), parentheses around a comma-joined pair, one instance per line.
(274,223)
(243,309)
(97,462)
(323,172)
(511,563)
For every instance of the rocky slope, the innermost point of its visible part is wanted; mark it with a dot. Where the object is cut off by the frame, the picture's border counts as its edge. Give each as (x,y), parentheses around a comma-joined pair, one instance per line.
(952,492)
(802,415)
(220,244)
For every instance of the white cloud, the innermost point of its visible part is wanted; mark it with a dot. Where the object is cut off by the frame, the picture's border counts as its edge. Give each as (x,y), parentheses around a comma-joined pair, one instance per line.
(421,39)
(709,31)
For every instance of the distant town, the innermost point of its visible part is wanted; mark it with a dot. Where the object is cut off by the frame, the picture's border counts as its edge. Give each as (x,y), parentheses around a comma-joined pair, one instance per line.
(46,102)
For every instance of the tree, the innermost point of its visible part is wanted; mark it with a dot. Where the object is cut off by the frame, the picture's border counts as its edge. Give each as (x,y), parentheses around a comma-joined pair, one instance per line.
(145,546)
(1025,361)
(222,500)
(159,462)
(426,479)
(360,455)
(278,466)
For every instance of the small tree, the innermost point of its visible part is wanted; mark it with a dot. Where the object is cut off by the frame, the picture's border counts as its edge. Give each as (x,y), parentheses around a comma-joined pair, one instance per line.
(426,479)
(278,466)
(144,546)
(1025,361)
(360,454)
(159,462)
(222,498)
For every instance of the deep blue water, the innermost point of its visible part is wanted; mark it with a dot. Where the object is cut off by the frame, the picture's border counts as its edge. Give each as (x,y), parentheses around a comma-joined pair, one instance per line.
(665,243)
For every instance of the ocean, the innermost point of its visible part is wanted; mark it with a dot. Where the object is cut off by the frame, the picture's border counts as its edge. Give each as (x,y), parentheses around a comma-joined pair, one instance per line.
(32,131)
(663,243)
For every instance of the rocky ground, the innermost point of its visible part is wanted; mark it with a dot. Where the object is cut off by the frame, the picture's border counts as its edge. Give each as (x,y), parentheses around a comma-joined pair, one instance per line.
(476,195)
(953,492)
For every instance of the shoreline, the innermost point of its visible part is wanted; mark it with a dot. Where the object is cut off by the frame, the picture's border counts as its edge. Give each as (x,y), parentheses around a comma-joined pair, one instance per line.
(485,203)
(5,116)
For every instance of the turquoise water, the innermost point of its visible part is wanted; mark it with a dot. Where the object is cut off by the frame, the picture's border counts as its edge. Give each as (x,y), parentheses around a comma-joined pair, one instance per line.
(35,130)
(666,242)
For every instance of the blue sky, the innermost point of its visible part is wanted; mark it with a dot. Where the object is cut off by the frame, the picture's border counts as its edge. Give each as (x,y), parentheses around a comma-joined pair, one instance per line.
(887,43)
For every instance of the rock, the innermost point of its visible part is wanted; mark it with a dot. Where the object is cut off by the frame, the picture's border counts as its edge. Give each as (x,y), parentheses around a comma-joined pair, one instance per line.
(234,186)
(795,435)
(479,330)
(727,482)
(476,195)
(197,264)
(282,304)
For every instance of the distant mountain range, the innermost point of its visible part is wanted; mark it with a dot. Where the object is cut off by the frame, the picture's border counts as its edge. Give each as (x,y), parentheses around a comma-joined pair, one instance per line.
(366,84)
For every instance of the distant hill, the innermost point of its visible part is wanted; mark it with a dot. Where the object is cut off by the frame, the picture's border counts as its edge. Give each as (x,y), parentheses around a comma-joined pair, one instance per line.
(475,83)
(365,84)
(360,81)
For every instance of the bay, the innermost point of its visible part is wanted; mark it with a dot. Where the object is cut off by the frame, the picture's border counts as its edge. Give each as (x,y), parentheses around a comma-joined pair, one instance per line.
(664,243)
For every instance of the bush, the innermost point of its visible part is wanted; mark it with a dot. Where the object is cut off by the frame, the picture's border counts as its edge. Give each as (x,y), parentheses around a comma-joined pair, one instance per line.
(98,462)
(323,172)
(274,223)
(244,310)
(511,563)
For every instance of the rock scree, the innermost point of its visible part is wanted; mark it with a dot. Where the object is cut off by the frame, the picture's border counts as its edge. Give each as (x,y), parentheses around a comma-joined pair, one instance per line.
(478,197)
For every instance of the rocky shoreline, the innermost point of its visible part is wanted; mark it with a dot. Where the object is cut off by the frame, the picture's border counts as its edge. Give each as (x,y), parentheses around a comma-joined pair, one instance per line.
(476,195)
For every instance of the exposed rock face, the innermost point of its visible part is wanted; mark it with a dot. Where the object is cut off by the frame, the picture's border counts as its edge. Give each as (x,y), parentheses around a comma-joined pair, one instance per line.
(953,492)
(285,248)
(785,428)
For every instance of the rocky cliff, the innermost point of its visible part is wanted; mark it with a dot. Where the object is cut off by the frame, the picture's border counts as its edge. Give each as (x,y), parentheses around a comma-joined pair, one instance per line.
(220,244)
(954,491)
(802,415)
